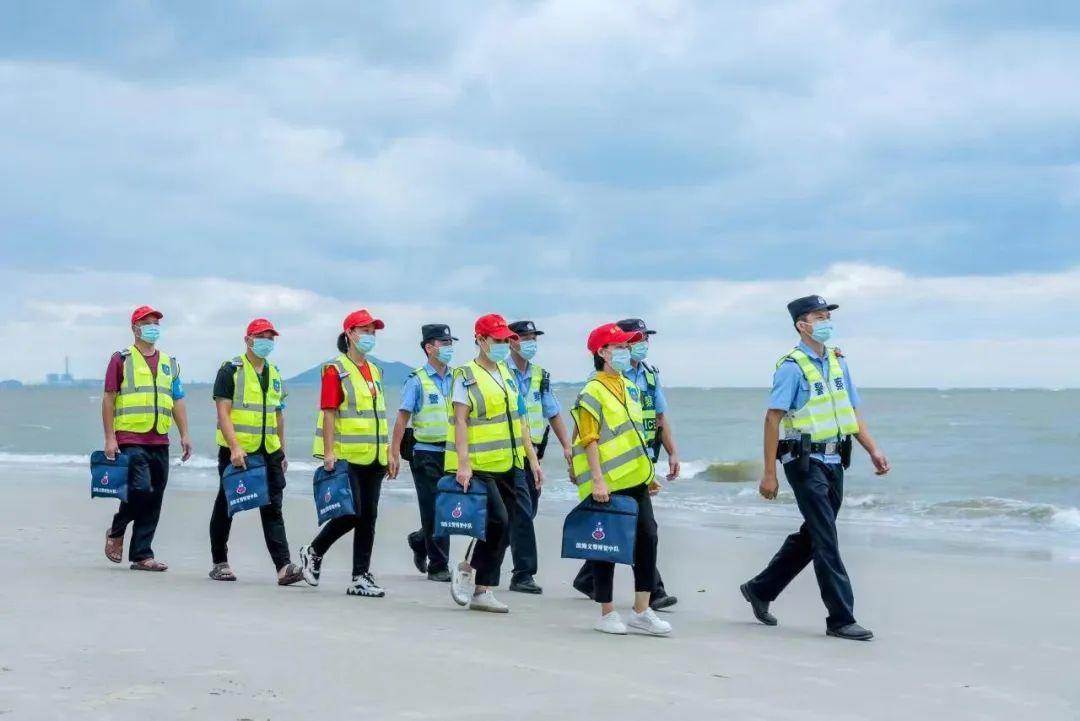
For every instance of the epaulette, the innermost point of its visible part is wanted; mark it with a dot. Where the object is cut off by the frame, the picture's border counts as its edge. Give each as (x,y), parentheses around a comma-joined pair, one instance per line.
(838,352)
(124,352)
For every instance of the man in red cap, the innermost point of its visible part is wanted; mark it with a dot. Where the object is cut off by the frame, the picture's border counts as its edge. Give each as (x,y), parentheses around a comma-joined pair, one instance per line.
(143,394)
(250,398)
(490,444)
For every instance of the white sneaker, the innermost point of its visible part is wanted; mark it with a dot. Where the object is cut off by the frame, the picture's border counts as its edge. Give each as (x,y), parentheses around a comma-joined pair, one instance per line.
(462,584)
(486,601)
(648,622)
(310,565)
(364,585)
(611,623)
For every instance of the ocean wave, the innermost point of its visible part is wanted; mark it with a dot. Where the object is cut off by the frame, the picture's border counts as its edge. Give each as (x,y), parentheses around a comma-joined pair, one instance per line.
(70,459)
(723,471)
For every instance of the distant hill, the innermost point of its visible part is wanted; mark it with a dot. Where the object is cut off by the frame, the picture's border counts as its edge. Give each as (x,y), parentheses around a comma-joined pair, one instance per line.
(394,374)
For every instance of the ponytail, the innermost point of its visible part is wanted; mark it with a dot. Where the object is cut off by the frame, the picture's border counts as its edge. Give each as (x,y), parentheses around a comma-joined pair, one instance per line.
(343,343)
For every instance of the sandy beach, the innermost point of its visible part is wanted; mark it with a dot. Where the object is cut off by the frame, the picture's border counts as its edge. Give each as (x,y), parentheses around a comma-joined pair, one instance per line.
(958,636)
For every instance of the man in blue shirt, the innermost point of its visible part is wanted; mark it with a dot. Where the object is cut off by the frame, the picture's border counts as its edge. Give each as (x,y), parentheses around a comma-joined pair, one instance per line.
(430,554)
(814,451)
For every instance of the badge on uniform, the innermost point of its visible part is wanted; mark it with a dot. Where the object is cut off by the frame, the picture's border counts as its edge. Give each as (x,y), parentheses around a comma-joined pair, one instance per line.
(433,398)
(277,386)
(536,395)
(246,488)
(165,370)
(510,385)
(461,513)
(108,479)
(633,392)
(333,493)
(595,531)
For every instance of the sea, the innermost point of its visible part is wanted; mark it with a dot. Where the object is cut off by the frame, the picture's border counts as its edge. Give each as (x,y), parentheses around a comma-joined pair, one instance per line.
(973,471)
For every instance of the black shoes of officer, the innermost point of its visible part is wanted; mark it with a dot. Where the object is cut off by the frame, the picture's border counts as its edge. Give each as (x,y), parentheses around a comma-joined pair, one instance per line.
(442,576)
(525,584)
(419,551)
(760,608)
(662,600)
(852,632)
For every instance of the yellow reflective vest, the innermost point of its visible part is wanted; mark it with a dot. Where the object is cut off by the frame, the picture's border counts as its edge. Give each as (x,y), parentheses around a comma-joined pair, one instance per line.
(534,407)
(145,401)
(432,423)
(254,412)
(624,458)
(360,426)
(494,424)
(827,413)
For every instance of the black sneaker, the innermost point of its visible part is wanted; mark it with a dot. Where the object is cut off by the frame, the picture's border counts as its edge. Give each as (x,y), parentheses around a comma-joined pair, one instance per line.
(662,601)
(310,565)
(442,575)
(419,551)
(526,584)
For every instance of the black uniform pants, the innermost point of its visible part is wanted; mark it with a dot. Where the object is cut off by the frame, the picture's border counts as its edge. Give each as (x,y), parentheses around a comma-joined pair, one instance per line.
(273,523)
(522,533)
(148,474)
(819,494)
(488,554)
(427,469)
(603,572)
(366,484)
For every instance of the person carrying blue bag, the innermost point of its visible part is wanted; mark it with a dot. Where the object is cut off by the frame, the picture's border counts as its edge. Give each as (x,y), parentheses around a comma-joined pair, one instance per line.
(250,398)
(352,426)
(610,457)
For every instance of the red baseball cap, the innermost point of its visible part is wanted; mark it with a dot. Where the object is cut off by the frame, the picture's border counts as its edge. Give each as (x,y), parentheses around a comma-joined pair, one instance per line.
(361,317)
(144,310)
(261,325)
(494,326)
(610,333)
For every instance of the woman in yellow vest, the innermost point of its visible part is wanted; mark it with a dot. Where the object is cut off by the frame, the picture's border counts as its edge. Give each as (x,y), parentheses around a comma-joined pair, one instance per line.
(250,399)
(490,443)
(610,457)
(352,427)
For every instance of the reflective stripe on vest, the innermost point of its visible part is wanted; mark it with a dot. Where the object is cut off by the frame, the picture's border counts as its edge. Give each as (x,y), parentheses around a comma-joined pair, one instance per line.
(494,424)
(624,460)
(432,422)
(827,413)
(145,401)
(360,426)
(534,407)
(254,414)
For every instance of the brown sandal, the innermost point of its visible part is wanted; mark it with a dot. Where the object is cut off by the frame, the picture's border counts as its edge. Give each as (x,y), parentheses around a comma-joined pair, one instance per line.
(293,574)
(222,572)
(149,564)
(114,547)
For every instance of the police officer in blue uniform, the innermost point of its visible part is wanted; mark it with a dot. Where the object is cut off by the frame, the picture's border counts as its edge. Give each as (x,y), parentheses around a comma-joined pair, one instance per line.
(815,401)
(425,454)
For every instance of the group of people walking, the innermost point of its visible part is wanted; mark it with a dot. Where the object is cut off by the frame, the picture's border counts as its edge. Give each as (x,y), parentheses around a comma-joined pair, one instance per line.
(489,420)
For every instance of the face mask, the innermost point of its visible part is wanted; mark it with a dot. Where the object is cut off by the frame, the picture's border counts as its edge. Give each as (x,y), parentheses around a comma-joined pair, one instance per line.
(445,354)
(638,351)
(498,352)
(365,343)
(150,333)
(262,347)
(823,330)
(620,359)
(527,349)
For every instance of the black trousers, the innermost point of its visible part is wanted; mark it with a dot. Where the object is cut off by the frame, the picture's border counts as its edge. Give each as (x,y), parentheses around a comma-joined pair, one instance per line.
(148,474)
(522,533)
(366,483)
(819,494)
(488,554)
(273,524)
(644,550)
(427,469)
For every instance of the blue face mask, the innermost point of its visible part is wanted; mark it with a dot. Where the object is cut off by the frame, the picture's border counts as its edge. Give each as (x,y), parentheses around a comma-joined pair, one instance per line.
(620,359)
(639,351)
(498,352)
(365,343)
(823,330)
(262,347)
(527,349)
(150,333)
(445,354)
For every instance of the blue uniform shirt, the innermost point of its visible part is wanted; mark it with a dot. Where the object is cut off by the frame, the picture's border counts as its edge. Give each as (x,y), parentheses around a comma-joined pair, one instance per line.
(411,397)
(636,375)
(790,389)
(524,380)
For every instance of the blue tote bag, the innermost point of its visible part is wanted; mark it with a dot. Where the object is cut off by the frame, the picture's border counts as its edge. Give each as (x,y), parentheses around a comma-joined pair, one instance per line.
(333,493)
(602,531)
(246,488)
(458,513)
(108,479)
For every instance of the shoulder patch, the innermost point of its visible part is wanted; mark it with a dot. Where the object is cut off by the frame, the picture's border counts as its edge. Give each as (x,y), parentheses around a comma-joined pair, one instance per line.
(838,352)
(124,352)
(237,361)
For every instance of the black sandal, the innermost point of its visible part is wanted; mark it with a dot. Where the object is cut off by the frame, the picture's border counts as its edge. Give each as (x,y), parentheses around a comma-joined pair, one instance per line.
(222,572)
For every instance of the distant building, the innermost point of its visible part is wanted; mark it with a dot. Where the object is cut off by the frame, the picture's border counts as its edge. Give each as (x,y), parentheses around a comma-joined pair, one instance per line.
(61,379)
(9,384)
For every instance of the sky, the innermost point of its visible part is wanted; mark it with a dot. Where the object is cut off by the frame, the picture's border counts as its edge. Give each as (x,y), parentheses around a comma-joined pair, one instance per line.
(694,163)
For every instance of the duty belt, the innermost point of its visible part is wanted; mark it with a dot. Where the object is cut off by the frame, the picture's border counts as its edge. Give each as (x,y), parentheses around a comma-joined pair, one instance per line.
(829,448)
